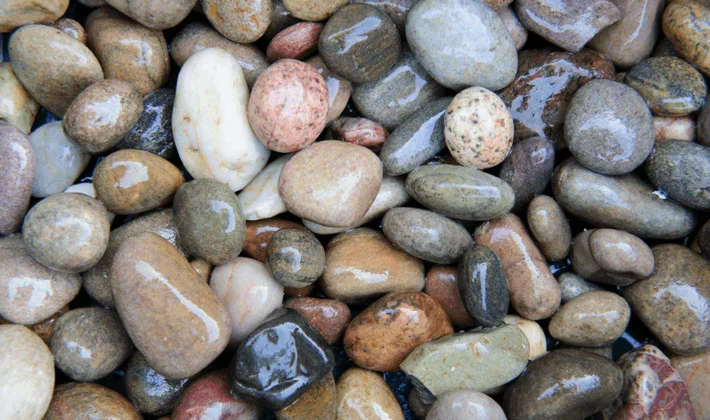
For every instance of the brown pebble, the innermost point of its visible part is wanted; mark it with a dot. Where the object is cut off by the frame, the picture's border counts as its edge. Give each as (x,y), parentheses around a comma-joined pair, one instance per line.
(441,284)
(77,400)
(260,231)
(549,227)
(298,42)
(328,316)
(71,27)
(17,171)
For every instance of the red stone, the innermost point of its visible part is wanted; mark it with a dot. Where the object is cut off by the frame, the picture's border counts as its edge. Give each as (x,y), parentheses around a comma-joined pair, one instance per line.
(208,398)
(328,316)
(297,41)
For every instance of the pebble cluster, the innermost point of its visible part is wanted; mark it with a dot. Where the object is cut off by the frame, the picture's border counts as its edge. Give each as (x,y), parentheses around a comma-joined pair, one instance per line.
(354,209)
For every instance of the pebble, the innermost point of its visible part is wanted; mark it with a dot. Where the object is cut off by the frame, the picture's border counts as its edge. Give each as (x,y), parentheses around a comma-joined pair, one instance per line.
(293,353)
(426,235)
(15,13)
(464,405)
(703,127)
(243,21)
(150,392)
(333,195)
(609,128)
(71,27)
(208,397)
(363,394)
(59,160)
(313,12)
(483,286)
(339,89)
(173,318)
(90,343)
(128,50)
(209,221)
(528,168)
(288,106)
(667,169)
(676,128)
(203,268)
(298,41)
(397,10)
(76,400)
(623,202)
(478,128)
(318,402)
(695,372)
(17,171)
(133,181)
(442,285)
(260,231)
(161,14)
(549,227)
(550,387)
(534,292)
(417,406)
(476,360)
(100,116)
(223,145)
(248,291)
(45,328)
(375,269)
(327,316)
(359,42)
(672,302)
(153,131)
(360,131)
(685,24)
(569,25)
(53,78)
(652,387)
(459,192)
(702,238)
(537,342)
(260,199)
(571,286)
(596,318)
(27,371)
(197,36)
(516,29)
(295,257)
(540,93)
(17,107)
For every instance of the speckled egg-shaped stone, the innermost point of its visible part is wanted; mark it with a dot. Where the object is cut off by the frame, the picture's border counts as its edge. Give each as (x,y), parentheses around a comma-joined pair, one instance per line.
(243,21)
(295,257)
(313,11)
(297,41)
(686,24)
(155,14)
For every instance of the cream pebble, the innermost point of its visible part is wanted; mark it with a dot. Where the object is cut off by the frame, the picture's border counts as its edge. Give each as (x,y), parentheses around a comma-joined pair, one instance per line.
(260,199)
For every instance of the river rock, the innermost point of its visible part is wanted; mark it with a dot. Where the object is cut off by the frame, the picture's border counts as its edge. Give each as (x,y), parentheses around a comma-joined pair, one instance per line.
(203,268)
(462,405)
(516,29)
(339,89)
(298,41)
(306,10)
(694,370)
(675,128)
(549,227)
(76,400)
(243,21)
(537,342)
(260,231)
(223,145)
(364,394)
(209,396)
(593,319)
(327,316)
(624,202)
(397,10)
(528,168)
(295,257)
(687,25)
(360,131)
(17,107)
(703,126)
(375,269)
(161,14)
(667,169)
(149,391)
(260,199)
(15,13)
(442,285)
(571,286)
(71,27)
(483,286)
(17,171)
(386,332)
(318,402)
(45,328)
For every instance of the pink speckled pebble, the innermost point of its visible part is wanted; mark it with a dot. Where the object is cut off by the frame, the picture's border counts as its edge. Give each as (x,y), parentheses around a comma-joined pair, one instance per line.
(360,131)
(478,128)
(288,106)
(297,42)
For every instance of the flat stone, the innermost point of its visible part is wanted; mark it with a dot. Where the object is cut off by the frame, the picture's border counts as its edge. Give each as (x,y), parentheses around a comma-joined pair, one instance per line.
(537,342)
(442,285)
(162,14)
(17,106)
(307,10)
(77,400)
(571,286)
(327,316)
(260,231)
(149,391)
(483,286)
(209,396)
(17,171)
(687,25)
(319,402)
(596,318)
(243,21)
(550,228)
(339,89)
(695,370)
(260,199)
(295,257)
(528,168)
(360,131)
(462,405)
(667,169)
(15,13)
(298,41)
(364,394)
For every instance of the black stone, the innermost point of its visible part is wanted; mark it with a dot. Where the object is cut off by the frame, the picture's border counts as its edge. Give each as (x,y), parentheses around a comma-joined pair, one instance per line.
(483,285)
(149,391)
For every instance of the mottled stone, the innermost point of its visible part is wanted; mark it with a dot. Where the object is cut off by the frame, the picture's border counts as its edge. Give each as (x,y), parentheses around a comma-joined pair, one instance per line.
(593,319)
(162,14)
(703,127)
(417,406)
(15,13)
(537,342)
(298,41)
(243,21)
(260,231)
(295,257)
(281,19)
(360,131)
(203,268)
(149,391)
(695,371)
(76,400)
(363,394)
(668,169)
(442,285)
(463,405)
(319,402)
(17,106)
(483,286)
(339,89)
(260,199)
(17,171)
(208,397)
(677,128)
(71,27)
(571,286)
(686,24)
(310,11)
(327,316)
(549,227)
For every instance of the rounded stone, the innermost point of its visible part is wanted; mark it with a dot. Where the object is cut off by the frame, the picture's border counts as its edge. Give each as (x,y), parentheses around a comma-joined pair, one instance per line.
(360,131)
(694,371)
(209,396)
(298,41)
(149,391)
(15,13)
(464,405)
(364,394)
(260,199)
(397,10)
(203,268)
(686,24)
(161,14)
(442,285)
(609,128)
(571,286)
(593,319)
(550,228)
(511,22)
(17,106)
(528,168)
(260,231)
(339,89)
(319,402)
(677,128)
(17,171)
(45,328)
(483,286)
(243,21)
(327,316)
(537,342)
(310,11)
(71,27)
(668,168)
(281,18)
(76,400)
(90,343)
(295,257)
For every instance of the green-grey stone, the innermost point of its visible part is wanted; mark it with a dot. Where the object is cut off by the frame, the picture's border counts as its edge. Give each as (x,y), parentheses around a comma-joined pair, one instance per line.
(681,169)
(295,257)
(483,286)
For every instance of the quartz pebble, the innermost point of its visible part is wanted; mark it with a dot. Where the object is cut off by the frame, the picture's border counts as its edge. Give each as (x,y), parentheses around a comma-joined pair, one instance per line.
(549,227)
(463,405)
(364,394)
(295,257)
(327,316)
(17,106)
(243,21)
(209,396)
(77,400)
(17,171)
(260,199)
(593,319)
(298,42)
(528,168)
(442,285)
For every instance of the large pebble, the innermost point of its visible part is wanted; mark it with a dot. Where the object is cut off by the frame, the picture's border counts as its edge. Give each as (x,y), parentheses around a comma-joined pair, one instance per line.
(593,319)
(465,405)
(686,24)
(260,231)
(668,168)
(298,41)
(161,14)
(695,371)
(363,394)
(310,11)
(483,286)
(442,285)
(242,21)
(339,89)
(77,400)
(549,227)
(17,171)
(17,106)
(528,168)
(148,390)
(15,13)
(208,397)
(295,257)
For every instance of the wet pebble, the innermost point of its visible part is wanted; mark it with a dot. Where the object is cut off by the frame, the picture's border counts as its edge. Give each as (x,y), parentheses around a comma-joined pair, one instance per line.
(15,13)
(161,14)
(537,342)
(260,199)
(462,405)
(328,316)
(17,106)
(77,400)
(397,10)
(307,10)
(339,89)
(695,371)
(364,394)
(442,285)
(676,128)
(243,21)
(148,390)
(668,169)
(203,268)
(295,257)
(208,397)
(571,286)
(528,168)
(260,231)
(360,131)
(298,42)
(71,27)
(483,286)
(318,402)
(550,228)
(593,319)
(17,171)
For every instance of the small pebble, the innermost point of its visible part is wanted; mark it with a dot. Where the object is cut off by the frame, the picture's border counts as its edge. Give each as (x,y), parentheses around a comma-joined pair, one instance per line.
(549,227)
(339,89)
(465,405)
(571,286)
(295,257)
(71,27)
(684,23)
(260,199)
(360,131)
(17,106)
(298,42)
(593,319)
(537,342)
(677,128)
(442,285)
(148,390)
(528,168)
(327,316)
(243,21)
(516,29)
(161,14)
(260,231)
(17,171)
(77,400)
(15,13)
(668,169)
(318,402)
(483,286)
(695,371)
(364,394)
(307,10)
(203,268)
(208,397)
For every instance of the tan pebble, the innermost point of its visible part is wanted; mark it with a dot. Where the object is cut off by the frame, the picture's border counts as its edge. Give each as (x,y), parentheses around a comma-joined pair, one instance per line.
(203,268)
(365,395)
(17,171)
(16,13)
(313,11)
(155,14)
(242,21)
(319,402)
(549,227)
(441,284)
(78,400)
(17,107)
(339,89)
(537,342)
(516,29)
(71,27)
(695,371)
(593,319)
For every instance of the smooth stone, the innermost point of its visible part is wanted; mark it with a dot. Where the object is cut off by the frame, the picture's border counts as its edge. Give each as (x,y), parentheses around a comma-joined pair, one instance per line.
(442,285)
(383,335)
(464,405)
(703,124)
(67,232)
(703,238)
(397,10)
(52,66)
(549,227)
(313,11)
(17,106)
(45,328)
(59,160)
(375,269)
(260,231)
(571,286)
(298,41)
(101,115)
(149,391)
(327,316)
(534,292)
(652,387)
(29,291)
(664,48)
(203,268)
(76,400)
(16,13)
(17,171)
(290,355)
(288,106)
(260,199)
(133,181)
(162,14)
(528,168)
(208,398)
(417,406)
(363,394)
(218,143)
(281,19)
(541,92)
(537,342)
(332,195)
(87,188)
(27,371)
(677,128)
(551,386)
(319,402)
(339,89)
(475,49)
(90,343)
(623,202)
(667,169)
(619,254)
(248,291)
(426,235)
(295,257)
(197,36)
(416,140)
(460,192)
(477,360)
(695,371)
(593,319)
(71,27)
(672,302)
(209,220)
(359,42)
(360,131)
(243,21)
(608,127)
(686,24)
(172,316)
(96,280)
(483,286)
(516,29)
(153,131)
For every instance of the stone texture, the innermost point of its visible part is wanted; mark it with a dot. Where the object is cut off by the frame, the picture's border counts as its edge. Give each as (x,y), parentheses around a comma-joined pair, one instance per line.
(71,27)
(571,286)
(687,25)
(550,228)
(17,171)
(516,29)
(528,168)
(298,41)
(668,169)
(694,370)
(339,89)
(260,231)
(442,285)
(16,13)
(243,21)
(260,199)
(675,128)
(537,342)
(149,391)
(327,316)
(360,131)
(364,394)
(462,405)
(319,402)
(397,10)
(161,14)
(17,106)
(45,328)
(483,286)
(593,319)
(295,257)
(76,400)
(209,397)
(306,10)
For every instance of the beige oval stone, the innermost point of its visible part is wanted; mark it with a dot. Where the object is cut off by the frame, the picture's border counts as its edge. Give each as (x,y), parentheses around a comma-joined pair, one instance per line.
(155,14)
(695,371)
(685,23)
(674,128)
(17,171)
(364,395)
(242,21)
(592,319)
(203,268)
(621,253)
(549,227)
(537,342)
(17,106)
(15,13)
(72,28)
(313,10)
